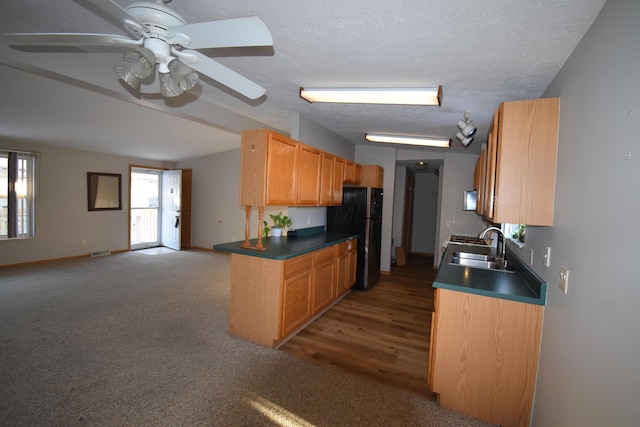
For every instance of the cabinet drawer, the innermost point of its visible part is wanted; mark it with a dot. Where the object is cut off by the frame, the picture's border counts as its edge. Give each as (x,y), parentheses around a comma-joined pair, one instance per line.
(297,265)
(324,255)
(343,248)
(349,245)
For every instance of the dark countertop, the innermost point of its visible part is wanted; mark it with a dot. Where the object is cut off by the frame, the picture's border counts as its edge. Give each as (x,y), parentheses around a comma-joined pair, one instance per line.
(282,248)
(522,285)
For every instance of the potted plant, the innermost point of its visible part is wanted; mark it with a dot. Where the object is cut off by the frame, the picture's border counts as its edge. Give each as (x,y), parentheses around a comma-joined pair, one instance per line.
(280,222)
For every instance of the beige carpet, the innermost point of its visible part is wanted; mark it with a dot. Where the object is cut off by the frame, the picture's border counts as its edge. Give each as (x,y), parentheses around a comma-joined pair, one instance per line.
(132,339)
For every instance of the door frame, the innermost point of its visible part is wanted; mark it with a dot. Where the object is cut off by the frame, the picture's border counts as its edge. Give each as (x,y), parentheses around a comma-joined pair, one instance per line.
(185,222)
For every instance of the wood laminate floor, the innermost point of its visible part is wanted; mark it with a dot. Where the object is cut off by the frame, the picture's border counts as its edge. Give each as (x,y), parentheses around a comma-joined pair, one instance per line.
(382,333)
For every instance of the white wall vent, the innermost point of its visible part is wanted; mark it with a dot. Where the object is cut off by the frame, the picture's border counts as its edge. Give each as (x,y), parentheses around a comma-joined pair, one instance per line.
(100,253)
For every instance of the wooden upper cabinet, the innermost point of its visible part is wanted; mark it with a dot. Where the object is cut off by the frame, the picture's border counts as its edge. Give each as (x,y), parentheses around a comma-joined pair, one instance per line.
(276,170)
(352,172)
(525,162)
(309,174)
(372,176)
(268,169)
(326,179)
(338,180)
(479,181)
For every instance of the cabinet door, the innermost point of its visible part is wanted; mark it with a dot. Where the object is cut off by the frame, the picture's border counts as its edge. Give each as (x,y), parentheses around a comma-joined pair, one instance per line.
(526,162)
(309,170)
(296,293)
(486,356)
(479,181)
(324,278)
(296,302)
(349,172)
(490,168)
(326,179)
(281,170)
(372,176)
(353,264)
(342,267)
(357,174)
(338,176)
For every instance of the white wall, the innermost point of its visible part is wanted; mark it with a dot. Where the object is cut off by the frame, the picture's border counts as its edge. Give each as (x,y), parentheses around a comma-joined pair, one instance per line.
(589,370)
(456,176)
(216,213)
(386,158)
(425,212)
(398,207)
(62,217)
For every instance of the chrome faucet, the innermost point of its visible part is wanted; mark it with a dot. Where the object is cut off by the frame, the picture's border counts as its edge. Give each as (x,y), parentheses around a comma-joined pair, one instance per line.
(483,233)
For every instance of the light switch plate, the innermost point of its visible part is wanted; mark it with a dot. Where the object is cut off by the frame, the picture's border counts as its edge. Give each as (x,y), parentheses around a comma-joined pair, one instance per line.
(547,256)
(564,279)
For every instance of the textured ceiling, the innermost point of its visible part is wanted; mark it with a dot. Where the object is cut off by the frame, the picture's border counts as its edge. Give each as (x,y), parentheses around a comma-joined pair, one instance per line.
(482,53)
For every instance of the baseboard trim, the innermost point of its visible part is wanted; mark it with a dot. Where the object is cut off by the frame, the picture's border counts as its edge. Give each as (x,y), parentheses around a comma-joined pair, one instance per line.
(422,253)
(45,261)
(385,273)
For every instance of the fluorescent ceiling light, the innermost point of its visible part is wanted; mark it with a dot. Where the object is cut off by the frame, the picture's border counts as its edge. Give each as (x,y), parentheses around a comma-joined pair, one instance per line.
(409,140)
(397,96)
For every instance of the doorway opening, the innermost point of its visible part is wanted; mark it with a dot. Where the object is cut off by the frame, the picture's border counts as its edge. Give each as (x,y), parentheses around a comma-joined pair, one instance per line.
(159,208)
(145,223)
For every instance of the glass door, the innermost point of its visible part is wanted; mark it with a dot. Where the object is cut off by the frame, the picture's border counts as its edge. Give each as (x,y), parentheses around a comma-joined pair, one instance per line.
(146,185)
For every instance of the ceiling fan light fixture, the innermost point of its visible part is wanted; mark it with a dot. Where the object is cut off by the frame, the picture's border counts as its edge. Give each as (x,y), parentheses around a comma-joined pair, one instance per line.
(169,87)
(386,96)
(125,74)
(138,64)
(409,140)
(182,75)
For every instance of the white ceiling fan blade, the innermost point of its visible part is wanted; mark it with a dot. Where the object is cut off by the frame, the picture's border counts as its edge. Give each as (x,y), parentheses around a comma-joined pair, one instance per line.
(129,23)
(218,72)
(71,39)
(235,32)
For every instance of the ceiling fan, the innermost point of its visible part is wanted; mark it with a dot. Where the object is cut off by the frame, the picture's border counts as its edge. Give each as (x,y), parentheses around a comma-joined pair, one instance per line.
(161,37)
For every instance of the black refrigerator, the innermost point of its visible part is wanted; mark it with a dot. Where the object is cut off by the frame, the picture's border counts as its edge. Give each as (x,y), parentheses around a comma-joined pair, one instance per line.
(361,214)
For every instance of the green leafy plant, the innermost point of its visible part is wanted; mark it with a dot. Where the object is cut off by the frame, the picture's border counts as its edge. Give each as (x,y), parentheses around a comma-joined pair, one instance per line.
(280,221)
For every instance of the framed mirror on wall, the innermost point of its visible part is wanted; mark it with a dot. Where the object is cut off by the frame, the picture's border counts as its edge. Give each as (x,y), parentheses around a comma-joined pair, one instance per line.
(104,191)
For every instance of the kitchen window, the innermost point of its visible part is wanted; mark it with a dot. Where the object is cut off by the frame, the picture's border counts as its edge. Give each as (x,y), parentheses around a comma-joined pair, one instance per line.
(17,191)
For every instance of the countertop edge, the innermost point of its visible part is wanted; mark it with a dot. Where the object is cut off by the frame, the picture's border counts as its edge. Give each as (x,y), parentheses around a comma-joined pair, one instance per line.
(525,274)
(330,240)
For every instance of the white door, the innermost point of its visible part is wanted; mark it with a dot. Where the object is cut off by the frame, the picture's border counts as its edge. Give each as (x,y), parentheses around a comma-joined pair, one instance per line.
(171,202)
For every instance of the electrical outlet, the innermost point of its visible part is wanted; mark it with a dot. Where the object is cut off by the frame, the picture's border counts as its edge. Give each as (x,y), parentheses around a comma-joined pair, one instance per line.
(448,224)
(84,242)
(564,279)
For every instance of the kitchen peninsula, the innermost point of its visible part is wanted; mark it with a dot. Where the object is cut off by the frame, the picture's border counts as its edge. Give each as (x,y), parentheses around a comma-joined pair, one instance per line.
(277,291)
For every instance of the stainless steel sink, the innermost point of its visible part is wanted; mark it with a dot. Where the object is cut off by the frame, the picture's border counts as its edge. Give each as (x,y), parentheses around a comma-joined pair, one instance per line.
(486,262)
(472,256)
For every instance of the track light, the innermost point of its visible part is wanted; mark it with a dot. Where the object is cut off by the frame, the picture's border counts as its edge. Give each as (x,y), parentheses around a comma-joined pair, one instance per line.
(467,130)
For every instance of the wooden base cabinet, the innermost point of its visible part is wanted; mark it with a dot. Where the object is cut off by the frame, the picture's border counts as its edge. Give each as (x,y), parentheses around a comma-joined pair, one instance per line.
(323,278)
(347,260)
(484,355)
(270,299)
(296,293)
